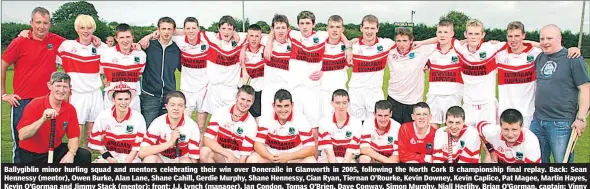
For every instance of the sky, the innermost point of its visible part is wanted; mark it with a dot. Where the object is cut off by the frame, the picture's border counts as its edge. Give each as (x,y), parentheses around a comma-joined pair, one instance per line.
(494,14)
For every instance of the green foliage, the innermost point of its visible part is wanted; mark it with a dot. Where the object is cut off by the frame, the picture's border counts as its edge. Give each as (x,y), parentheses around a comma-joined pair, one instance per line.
(70,10)
(10,31)
(264,26)
(459,20)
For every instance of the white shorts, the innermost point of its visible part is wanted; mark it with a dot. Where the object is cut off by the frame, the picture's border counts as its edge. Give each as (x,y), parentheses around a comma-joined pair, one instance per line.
(218,96)
(475,113)
(439,104)
(326,102)
(135,103)
(88,105)
(362,101)
(306,99)
(526,121)
(194,100)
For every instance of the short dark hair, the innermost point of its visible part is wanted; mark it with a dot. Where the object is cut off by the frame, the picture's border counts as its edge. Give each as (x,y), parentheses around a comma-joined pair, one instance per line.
(254,27)
(173,94)
(420,105)
(191,19)
(511,116)
(167,20)
(247,89)
(279,18)
(122,27)
(401,31)
(227,19)
(117,92)
(445,22)
(516,25)
(306,15)
(283,94)
(456,111)
(340,92)
(383,105)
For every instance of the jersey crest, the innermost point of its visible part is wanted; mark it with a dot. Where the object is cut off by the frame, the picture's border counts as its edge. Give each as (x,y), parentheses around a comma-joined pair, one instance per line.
(348,134)
(239,131)
(454,59)
(530,59)
(390,140)
(519,156)
(65,125)
(291,131)
(482,55)
(129,129)
(412,55)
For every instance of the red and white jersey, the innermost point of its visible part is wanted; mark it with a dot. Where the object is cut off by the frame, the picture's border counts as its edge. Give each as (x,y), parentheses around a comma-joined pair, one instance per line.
(342,139)
(118,138)
(465,149)
(276,70)
(526,149)
(386,142)
(369,63)
(193,58)
(159,132)
(517,79)
(406,73)
(479,71)
(334,67)
(445,73)
(118,66)
(223,66)
(81,63)
(255,67)
(306,55)
(293,136)
(235,136)
(412,148)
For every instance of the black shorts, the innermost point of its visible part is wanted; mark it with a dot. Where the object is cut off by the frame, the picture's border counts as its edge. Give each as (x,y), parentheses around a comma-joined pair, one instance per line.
(83,156)
(402,113)
(255,109)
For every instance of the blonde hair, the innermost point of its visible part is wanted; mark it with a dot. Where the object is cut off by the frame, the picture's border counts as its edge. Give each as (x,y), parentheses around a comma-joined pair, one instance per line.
(83,20)
(475,23)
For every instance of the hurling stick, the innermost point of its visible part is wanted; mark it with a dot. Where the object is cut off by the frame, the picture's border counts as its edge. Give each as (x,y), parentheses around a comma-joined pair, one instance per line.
(571,144)
(51,142)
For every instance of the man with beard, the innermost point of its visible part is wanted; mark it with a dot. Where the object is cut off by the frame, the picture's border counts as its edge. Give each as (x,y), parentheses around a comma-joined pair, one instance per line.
(231,131)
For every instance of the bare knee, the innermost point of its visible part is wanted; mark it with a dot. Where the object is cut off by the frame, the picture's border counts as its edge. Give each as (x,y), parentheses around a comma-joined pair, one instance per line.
(365,159)
(254,158)
(185,160)
(205,155)
(309,159)
(152,159)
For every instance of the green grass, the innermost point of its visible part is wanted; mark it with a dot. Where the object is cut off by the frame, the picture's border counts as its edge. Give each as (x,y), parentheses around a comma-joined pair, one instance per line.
(582,148)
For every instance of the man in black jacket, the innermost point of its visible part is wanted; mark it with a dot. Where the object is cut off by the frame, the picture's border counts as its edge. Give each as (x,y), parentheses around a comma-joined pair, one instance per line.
(163,58)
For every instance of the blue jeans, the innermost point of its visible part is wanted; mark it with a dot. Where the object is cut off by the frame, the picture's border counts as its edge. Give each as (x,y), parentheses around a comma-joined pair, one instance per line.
(16,114)
(553,137)
(152,107)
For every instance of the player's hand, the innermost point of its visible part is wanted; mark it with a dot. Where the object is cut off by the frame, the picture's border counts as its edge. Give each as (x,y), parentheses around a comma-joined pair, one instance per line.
(353,41)
(96,41)
(493,42)
(236,36)
(174,135)
(267,53)
(136,46)
(280,158)
(155,35)
(315,76)
(416,44)
(112,160)
(348,55)
(24,33)
(49,113)
(243,58)
(144,43)
(580,126)
(12,99)
(462,42)
(426,68)
(105,82)
(573,52)
(68,158)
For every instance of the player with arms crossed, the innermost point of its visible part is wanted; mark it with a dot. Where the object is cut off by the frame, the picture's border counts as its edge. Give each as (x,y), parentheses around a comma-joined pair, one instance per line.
(340,133)
(416,138)
(445,87)
(253,67)
(456,143)
(231,131)
(285,137)
(369,56)
(172,138)
(122,64)
(511,142)
(118,132)
(379,139)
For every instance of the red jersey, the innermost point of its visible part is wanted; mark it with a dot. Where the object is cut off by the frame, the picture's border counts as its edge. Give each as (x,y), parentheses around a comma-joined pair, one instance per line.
(34,61)
(412,148)
(66,122)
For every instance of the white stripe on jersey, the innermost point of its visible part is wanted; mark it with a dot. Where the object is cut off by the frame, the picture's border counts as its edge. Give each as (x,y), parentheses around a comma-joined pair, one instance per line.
(193,59)
(307,55)
(385,143)
(118,67)
(159,132)
(344,139)
(235,136)
(445,73)
(255,67)
(526,149)
(465,150)
(222,61)
(294,135)
(118,138)
(81,63)
(369,63)
(406,80)
(334,66)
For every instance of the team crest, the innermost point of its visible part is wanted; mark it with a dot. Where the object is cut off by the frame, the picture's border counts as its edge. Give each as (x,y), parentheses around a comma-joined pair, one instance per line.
(454,59)
(316,40)
(203,47)
(412,141)
(348,134)
(519,155)
(291,131)
(239,131)
(390,140)
(530,59)
(380,48)
(129,129)
(429,146)
(548,68)
(462,143)
(482,55)
(394,56)
(136,59)
(343,48)
(234,43)
(412,55)
(73,50)
(182,138)
(288,48)
(65,125)
(93,50)
(50,46)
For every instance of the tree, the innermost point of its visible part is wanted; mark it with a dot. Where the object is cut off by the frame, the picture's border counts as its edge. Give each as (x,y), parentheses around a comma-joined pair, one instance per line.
(70,10)
(264,26)
(320,26)
(113,24)
(459,20)
(239,26)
